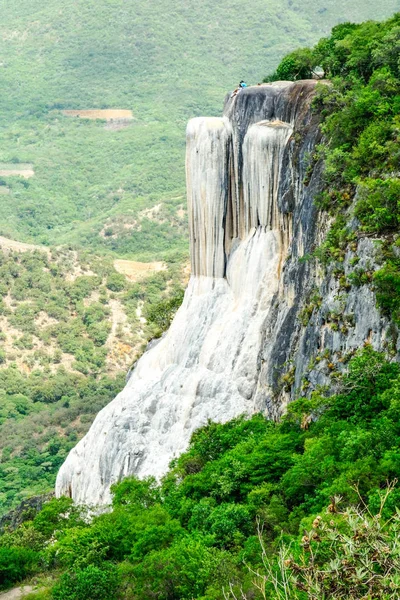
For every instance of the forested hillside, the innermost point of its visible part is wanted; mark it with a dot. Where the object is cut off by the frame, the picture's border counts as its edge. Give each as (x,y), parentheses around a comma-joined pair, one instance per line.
(243,485)
(301,509)
(71,328)
(86,181)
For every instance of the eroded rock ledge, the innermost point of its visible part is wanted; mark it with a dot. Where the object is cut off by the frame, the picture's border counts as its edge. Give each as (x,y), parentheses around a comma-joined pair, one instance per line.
(251,219)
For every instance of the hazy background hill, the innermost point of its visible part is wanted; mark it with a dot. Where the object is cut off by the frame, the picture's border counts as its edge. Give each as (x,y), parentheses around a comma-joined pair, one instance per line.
(165,61)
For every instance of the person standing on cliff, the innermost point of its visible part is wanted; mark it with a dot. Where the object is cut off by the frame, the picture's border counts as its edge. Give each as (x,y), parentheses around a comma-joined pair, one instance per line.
(241,85)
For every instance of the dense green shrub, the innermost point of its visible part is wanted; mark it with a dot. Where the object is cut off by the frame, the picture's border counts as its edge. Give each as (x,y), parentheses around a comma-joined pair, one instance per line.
(16,564)
(378,206)
(161,313)
(82,287)
(188,536)
(116,282)
(92,582)
(135,492)
(57,514)
(387,285)
(297,65)
(185,570)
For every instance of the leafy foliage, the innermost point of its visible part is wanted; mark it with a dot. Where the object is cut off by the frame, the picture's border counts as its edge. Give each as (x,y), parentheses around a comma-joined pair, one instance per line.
(15,564)
(162,313)
(360,122)
(351,554)
(190,535)
(91,582)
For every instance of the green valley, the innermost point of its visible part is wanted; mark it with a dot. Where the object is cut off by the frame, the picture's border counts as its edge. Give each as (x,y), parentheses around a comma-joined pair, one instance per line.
(166,62)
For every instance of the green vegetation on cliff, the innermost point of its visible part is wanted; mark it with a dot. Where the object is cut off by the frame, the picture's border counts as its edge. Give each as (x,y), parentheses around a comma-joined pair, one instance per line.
(361,151)
(198,531)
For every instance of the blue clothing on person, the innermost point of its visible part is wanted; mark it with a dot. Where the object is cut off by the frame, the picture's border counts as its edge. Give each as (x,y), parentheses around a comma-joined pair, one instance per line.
(242,84)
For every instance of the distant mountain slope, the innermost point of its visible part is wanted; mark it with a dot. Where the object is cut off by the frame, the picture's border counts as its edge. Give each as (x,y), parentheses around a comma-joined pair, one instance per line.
(166,61)
(70,328)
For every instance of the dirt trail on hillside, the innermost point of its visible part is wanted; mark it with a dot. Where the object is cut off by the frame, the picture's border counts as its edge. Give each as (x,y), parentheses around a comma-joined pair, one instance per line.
(17,593)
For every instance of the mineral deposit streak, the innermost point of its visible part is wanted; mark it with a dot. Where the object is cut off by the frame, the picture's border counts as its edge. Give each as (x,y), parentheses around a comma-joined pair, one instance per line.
(245,197)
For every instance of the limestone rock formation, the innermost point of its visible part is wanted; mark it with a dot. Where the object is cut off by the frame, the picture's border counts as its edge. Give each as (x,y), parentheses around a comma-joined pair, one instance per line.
(252,220)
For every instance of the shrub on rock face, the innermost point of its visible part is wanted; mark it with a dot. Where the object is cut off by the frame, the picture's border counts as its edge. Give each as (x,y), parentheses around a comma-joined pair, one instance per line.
(378,207)
(161,313)
(387,286)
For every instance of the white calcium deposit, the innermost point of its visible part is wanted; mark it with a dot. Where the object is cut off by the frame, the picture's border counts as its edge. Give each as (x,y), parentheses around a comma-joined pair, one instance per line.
(208,364)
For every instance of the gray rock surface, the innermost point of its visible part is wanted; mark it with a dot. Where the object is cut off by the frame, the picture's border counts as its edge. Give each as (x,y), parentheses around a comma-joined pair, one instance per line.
(237,344)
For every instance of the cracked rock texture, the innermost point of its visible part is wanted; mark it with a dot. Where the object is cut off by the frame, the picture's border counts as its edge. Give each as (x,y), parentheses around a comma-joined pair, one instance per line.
(237,334)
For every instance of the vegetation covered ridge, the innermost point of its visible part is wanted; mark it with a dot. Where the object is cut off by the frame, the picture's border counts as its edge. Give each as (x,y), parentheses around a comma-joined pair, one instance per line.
(361,150)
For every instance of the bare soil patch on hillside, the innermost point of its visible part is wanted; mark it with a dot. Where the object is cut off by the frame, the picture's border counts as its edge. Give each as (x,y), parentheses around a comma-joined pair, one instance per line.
(151,213)
(121,348)
(134,271)
(19,169)
(7,244)
(117,124)
(107,114)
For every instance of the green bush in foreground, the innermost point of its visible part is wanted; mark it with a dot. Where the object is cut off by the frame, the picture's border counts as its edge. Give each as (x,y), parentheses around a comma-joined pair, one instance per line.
(92,582)
(16,564)
(352,554)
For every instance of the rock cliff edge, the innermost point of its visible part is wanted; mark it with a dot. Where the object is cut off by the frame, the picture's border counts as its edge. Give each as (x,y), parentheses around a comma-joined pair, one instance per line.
(237,344)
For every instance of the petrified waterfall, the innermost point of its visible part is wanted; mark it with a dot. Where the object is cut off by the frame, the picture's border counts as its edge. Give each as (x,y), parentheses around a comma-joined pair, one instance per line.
(249,215)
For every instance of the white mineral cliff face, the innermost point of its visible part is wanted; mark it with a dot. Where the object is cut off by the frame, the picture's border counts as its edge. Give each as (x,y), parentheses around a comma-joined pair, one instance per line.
(243,193)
